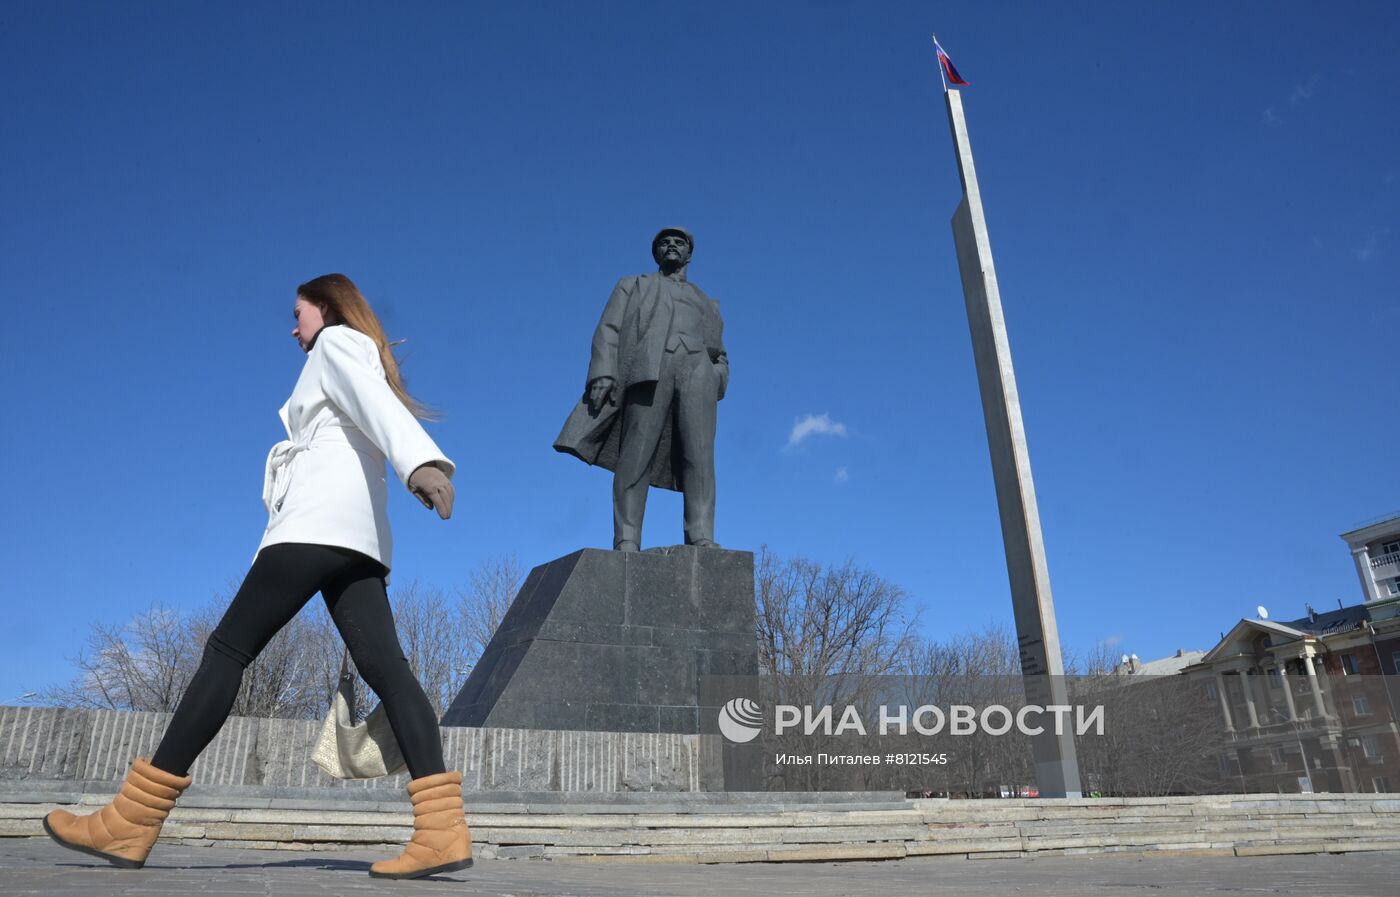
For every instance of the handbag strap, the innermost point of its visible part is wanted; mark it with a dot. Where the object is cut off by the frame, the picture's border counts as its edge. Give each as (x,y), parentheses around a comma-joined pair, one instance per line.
(346,683)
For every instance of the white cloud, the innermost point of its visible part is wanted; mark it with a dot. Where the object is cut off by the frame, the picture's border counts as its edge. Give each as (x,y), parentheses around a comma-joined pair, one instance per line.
(1301,94)
(842,475)
(1366,251)
(1303,91)
(814,425)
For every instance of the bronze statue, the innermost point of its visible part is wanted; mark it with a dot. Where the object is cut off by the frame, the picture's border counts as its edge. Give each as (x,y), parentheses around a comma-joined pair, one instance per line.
(659,364)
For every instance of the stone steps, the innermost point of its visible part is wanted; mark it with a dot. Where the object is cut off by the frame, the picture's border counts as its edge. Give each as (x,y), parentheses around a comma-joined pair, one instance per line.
(764,827)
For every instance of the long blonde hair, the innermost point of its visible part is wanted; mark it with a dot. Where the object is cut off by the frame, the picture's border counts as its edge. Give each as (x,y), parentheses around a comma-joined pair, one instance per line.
(344,299)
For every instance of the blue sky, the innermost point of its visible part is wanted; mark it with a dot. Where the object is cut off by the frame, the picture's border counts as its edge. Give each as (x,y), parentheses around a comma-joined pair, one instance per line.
(1193,208)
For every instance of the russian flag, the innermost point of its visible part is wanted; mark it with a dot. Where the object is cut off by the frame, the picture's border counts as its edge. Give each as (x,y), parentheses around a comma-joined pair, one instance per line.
(953,76)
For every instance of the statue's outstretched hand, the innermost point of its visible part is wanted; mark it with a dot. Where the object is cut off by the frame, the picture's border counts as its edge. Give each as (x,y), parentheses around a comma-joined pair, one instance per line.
(600,391)
(432,487)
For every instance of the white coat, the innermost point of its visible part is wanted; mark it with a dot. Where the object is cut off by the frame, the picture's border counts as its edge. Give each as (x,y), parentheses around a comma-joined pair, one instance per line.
(325,483)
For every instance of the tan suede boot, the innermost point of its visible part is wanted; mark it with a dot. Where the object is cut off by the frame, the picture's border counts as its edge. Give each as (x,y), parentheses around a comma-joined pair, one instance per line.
(441,841)
(123,832)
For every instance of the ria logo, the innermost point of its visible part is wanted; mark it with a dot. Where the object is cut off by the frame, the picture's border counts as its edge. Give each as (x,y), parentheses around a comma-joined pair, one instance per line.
(740,720)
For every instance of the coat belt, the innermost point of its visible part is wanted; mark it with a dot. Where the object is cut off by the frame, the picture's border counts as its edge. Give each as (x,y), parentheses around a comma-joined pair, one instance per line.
(277,478)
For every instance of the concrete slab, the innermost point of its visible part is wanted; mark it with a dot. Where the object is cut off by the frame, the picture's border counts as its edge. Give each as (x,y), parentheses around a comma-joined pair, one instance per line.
(38,865)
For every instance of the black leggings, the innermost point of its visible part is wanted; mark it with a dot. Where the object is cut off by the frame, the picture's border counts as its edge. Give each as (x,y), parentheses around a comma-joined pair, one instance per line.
(280,582)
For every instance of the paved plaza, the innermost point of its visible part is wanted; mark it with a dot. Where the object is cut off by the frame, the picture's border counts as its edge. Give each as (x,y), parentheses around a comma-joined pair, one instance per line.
(38,866)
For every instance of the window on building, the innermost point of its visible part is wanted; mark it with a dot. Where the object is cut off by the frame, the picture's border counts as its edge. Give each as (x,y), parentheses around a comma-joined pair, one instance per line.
(1349,665)
(1381,784)
(1371,747)
(1213,693)
(1393,585)
(1361,705)
(1275,678)
(1390,547)
(1222,765)
(1395,661)
(1277,754)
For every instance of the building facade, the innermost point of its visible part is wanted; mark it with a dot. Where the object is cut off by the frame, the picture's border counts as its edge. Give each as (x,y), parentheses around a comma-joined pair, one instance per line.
(1375,548)
(1312,704)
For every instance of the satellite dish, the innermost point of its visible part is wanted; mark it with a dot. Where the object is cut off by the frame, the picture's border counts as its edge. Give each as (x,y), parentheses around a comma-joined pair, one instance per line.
(1262,611)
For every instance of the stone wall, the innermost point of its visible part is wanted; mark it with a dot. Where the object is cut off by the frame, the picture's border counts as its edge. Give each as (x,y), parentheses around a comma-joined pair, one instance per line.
(58,743)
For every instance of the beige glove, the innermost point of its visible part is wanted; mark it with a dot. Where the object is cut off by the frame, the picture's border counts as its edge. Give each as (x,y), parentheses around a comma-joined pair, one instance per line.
(432,487)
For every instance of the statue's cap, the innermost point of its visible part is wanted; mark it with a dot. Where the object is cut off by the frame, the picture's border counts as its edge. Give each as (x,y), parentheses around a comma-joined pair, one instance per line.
(674,230)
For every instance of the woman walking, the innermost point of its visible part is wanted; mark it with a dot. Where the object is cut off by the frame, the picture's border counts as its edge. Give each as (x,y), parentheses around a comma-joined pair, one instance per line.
(327,532)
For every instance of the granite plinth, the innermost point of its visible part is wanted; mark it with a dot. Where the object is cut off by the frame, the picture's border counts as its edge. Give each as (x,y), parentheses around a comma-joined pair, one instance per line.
(616,641)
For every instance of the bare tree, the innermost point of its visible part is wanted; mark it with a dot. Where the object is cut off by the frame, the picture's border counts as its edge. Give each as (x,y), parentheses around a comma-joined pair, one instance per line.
(1160,735)
(1100,660)
(815,620)
(323,648)
(491,587)
(444,634)
(143,664)
(147,663)
(979,669)
(434,640)
(825,634)
(285,679)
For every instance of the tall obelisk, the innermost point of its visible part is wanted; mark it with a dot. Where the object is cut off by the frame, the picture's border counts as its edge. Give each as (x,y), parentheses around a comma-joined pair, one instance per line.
(1042,666)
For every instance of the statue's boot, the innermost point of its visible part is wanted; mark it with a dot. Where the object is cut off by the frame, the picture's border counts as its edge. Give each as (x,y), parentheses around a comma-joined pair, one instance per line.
(441,841)
(123,831)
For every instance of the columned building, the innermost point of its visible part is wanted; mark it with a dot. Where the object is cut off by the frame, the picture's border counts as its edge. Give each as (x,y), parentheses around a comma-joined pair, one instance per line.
(1312,704)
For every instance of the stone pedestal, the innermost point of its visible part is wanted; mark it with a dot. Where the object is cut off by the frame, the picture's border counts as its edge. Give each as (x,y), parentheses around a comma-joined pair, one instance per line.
(616,642)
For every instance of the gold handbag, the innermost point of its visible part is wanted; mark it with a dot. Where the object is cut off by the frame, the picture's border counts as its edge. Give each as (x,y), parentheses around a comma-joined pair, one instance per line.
(356,750)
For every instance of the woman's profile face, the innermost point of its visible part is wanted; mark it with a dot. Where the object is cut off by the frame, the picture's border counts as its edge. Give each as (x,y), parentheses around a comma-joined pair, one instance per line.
(311,317)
